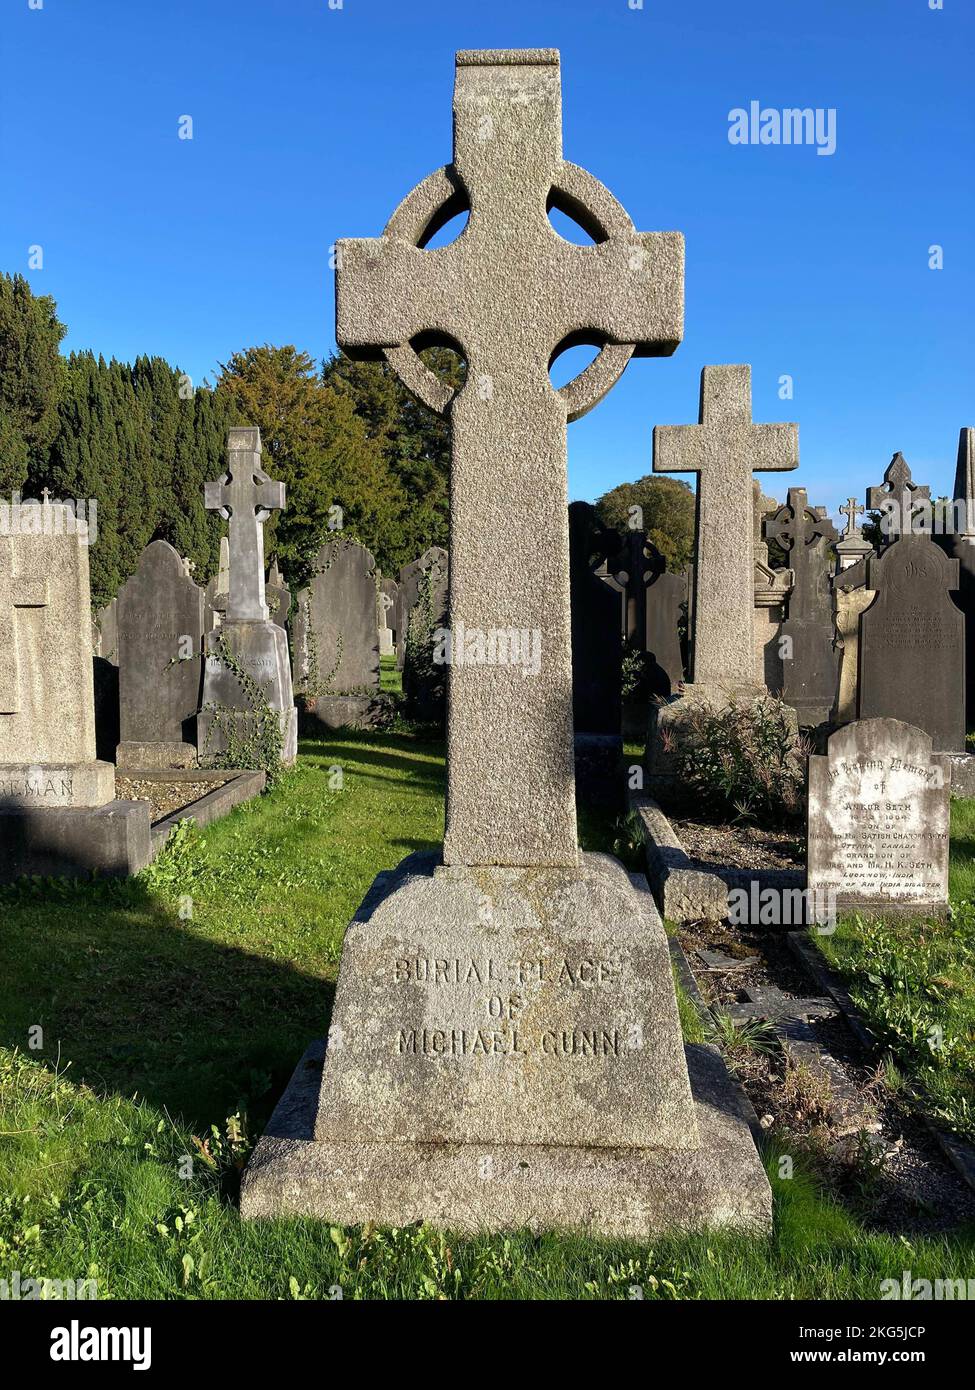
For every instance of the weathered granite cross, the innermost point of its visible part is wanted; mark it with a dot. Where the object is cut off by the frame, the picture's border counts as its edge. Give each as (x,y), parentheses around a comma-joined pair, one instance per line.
(851,511)
(724,449)
(896,499)
(245,496)
(509,293)
(16,591)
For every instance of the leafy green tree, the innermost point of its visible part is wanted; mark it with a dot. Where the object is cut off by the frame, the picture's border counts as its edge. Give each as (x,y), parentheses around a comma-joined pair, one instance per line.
(662,507)
(31,377)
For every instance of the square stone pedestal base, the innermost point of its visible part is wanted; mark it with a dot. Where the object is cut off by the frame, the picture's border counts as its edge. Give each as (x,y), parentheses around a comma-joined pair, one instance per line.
(623,1193)
(505,1051)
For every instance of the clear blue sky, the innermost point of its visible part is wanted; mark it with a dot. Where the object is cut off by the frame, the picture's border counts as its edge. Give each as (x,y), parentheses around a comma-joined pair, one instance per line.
(310,123)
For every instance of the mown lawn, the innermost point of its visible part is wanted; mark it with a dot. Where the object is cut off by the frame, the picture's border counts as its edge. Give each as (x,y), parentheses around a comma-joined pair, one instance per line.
(914,983)
(172,1011)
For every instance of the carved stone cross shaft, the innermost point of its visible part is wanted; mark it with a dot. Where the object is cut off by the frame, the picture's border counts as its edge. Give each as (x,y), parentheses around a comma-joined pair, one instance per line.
(509,293)
(245,496)
(851,511)
(724,449)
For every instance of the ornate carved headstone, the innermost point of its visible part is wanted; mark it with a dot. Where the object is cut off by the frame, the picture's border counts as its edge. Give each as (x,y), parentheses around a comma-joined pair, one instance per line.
(852,547)
(772,588)
(878,819)
(160,638)
(724,450)
(912,642)
(505,1046)
(810,660)
(247,672)
(897,500)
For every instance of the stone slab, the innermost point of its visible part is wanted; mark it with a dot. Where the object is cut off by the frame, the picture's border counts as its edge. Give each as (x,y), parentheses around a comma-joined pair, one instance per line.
(513,1006)
(106,841)
(621,1193)
(260,649)
(211,807)
(344,711)
(49,786)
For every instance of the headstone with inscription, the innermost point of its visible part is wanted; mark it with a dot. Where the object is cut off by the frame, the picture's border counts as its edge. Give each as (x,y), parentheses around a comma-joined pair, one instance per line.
(505,1048)
(336,638)
(58,815)
(247,672)
(160,638)
(878,812)
(912,642)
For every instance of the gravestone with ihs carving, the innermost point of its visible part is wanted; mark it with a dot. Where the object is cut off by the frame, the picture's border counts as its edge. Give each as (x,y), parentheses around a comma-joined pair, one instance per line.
(505,1049)
(912,642)
(58,816)
(160,637)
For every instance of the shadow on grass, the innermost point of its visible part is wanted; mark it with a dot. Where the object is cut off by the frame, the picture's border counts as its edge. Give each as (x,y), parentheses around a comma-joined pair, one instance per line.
(135,1002)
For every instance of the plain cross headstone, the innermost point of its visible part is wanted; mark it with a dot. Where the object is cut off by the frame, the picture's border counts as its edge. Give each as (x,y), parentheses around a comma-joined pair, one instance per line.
(510,291)
(896,498)
(724,450)
(852,546)
(811,659)
(245,497)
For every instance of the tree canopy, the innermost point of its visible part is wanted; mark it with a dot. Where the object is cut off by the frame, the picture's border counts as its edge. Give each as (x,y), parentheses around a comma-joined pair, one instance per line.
(664,508)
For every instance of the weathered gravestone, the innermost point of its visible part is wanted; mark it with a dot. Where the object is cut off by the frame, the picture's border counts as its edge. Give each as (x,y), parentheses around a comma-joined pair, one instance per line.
(58,815)
(912,642)
(654,601)
(424,603)
(852,547)
(106,632)
(105,669)
(160,638)
(723,450)
(505,1048)
(427,576)
(878,819)
(810,659)
(247,691)
(277,595)
(336,640)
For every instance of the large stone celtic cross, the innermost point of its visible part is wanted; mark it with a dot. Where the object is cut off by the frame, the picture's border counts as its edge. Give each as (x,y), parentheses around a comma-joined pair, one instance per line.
(509,293)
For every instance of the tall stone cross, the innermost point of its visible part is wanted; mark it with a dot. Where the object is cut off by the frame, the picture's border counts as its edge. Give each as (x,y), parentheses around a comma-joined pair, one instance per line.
(895,498)
(245,496)
(509,292)
(724,449)
(16,591)
(851,511)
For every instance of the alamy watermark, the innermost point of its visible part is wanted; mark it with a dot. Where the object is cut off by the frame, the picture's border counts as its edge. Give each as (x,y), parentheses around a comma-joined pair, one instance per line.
(460,645)
(21,1288)
(26,516)
(783,907)
(792,125)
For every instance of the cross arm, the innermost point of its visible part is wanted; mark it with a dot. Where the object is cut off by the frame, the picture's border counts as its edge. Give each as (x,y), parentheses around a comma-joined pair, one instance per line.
(387,292)
(630,289)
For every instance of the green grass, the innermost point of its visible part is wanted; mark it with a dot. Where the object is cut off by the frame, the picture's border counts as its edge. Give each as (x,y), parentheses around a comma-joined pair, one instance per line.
(158,1027)
(914,983)
(390,679)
